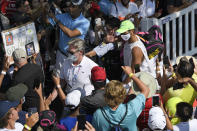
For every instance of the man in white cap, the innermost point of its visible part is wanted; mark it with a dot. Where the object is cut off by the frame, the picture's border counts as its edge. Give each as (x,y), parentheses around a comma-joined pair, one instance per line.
(72,25)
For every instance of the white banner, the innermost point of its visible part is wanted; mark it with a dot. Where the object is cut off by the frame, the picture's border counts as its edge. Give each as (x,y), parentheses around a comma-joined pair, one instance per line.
(23,36)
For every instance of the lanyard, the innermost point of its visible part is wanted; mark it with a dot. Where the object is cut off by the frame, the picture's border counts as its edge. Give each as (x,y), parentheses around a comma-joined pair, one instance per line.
(74,79)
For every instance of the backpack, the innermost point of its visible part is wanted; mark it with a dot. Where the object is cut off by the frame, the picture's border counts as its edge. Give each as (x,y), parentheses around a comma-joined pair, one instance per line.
(114,126)
(152,40)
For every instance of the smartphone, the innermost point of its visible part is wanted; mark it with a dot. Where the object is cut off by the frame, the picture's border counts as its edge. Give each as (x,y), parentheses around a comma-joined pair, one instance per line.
(155,100)
(31,111)
(81,121)
(24,99)
(137,68)
(98,21)
(166,62)
(30,49)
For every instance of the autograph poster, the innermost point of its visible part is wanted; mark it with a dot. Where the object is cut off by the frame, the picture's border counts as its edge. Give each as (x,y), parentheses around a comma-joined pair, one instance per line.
(20,37)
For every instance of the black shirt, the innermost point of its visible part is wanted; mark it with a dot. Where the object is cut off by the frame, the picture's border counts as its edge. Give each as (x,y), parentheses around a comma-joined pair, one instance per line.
(27,75)
(94,101)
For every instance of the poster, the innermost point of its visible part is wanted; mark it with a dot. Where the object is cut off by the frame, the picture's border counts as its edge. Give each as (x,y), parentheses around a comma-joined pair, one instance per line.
(23,36)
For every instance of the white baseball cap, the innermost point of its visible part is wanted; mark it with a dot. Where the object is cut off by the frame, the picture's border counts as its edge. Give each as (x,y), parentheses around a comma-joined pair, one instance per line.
(73,99)
(76,2)
(156,119)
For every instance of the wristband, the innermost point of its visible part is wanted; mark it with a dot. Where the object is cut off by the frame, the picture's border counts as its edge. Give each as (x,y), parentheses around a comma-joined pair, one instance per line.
(173,75)
(27,127)
(131,74)
(58,86)
(3,72)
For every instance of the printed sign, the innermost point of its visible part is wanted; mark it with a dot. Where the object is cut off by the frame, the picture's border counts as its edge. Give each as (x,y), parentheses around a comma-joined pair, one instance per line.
(23,36)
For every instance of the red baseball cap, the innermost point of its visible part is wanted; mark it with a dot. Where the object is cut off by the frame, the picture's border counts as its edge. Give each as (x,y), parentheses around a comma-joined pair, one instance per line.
(98,74)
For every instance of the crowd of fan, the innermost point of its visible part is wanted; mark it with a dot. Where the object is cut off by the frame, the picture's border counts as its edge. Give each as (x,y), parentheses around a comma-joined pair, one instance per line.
(92,65)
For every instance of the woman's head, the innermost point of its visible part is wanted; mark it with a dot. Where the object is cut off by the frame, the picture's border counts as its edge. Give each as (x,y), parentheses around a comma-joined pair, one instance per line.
(185,67)
(184,111)
(115,93)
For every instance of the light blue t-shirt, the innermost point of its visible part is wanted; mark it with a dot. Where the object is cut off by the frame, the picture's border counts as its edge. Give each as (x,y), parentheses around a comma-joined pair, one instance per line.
(80,23)
(105,6)
(135,107)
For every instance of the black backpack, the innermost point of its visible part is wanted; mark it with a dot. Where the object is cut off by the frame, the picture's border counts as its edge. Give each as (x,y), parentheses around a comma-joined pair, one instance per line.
(152,41)
(114,126)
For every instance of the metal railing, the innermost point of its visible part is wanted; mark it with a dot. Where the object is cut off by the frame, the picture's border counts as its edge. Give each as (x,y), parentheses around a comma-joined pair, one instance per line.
(178,31)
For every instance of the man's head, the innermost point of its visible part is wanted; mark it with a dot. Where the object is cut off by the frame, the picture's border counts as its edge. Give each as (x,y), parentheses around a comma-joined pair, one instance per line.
(156,119)
(76,49)
(98,77)
(23,6)
(35,3)
(20,57)
(17,92)
(184,111)
(115,93)
(125,2)
(126,30)
(73,99)
(112,24)
(75,8)
(8,112)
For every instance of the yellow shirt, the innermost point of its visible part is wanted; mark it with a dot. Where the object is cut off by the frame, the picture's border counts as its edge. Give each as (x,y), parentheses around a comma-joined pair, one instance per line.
(187,94)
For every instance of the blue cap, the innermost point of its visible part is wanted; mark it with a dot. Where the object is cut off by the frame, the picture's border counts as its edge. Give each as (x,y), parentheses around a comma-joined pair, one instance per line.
(5,106)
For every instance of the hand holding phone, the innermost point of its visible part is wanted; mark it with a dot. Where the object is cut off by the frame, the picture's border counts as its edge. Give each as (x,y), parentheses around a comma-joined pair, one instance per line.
(31,111)
(137,68)
(81,121)
(155,100)
(166,61)
(98,22)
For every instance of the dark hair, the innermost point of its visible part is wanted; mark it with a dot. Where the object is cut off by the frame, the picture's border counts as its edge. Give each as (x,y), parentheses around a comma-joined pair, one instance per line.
(113,22)
(184,111)
(99,84)
(186,67)
(20,3)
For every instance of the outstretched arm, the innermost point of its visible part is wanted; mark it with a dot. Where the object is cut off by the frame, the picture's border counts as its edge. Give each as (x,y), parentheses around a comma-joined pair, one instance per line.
(144,89)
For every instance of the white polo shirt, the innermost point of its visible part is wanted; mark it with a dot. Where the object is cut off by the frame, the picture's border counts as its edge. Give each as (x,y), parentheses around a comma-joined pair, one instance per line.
(121,11)
(78,76)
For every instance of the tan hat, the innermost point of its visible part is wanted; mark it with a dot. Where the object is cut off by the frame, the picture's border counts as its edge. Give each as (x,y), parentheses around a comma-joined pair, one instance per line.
(148,80)
(188,57)
(18,54)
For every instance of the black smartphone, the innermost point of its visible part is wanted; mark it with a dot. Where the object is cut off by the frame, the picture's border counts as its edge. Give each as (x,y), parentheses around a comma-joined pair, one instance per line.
(81,121)
(155,100)
(166,62)
(30,49)
(137,68)
(32,110)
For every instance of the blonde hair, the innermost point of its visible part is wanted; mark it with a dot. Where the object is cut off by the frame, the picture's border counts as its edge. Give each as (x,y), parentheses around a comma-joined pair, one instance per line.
(115,93)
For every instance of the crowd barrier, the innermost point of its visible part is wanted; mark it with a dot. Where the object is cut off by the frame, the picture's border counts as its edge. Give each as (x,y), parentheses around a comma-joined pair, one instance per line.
(178,31)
